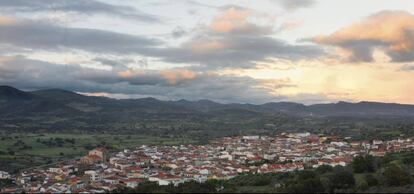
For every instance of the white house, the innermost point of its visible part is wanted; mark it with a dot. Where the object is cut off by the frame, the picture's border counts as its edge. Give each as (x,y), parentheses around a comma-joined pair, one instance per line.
(253,137)
(165,179)
(4,175)
(55,170)
(94,176)
(132,183)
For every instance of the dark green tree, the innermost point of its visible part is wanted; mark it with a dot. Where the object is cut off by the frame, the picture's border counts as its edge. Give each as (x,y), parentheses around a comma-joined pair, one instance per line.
(396,176)
(341,179)
(371,180)
(361,164)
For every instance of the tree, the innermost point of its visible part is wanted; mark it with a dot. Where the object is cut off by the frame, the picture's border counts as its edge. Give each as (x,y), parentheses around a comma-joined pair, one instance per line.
(372,163)
(312,185)
(361,185)
(388,158)
(358,164)
(5,182)
(396,176)
(188,187)
(361,164)
(371,180)
(327,184)
(408,158)
(324,169)
(304,182)
(341,179)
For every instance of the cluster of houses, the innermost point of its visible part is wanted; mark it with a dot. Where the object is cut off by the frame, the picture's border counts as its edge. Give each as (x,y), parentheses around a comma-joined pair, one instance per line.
(4,175)
(223,159)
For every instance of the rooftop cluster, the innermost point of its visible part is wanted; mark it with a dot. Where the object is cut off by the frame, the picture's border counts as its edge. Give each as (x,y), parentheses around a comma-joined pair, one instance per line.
(223,158)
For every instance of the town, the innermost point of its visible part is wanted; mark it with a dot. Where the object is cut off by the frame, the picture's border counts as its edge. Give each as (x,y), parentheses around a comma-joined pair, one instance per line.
(225,158)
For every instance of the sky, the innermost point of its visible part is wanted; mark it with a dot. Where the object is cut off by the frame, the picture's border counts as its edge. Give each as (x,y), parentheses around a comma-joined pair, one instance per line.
(229,51)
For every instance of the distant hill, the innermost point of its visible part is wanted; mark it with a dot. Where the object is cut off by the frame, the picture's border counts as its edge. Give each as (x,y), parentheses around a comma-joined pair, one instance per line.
(60,109)
(363,109)
(71,99)
(8,94)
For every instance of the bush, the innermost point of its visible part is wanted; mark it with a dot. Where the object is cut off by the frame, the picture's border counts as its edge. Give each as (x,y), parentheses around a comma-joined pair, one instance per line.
(371,180)
(361,164)
(341,179)
(5,183)
(362,185)
(396,176)
(324,169)
(304,182)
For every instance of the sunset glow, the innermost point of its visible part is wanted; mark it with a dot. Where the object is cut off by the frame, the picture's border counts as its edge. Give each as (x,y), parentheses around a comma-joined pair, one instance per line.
(269,50)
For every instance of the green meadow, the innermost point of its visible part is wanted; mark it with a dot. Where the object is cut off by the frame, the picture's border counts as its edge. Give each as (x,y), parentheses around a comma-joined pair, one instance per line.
(19,151)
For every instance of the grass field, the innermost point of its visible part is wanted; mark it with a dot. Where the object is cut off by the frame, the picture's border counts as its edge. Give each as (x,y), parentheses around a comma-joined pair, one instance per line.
(19,151)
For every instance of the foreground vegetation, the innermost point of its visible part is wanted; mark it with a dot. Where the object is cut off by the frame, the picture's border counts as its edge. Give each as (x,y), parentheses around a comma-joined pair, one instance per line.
(18,150)
(392,173)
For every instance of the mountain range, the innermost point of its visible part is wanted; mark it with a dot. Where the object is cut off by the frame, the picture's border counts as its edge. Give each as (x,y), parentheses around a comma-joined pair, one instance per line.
(14,101)
(56,108)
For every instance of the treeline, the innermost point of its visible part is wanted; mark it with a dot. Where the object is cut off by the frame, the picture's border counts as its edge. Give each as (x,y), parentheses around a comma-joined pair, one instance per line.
(188,187)
(56,142)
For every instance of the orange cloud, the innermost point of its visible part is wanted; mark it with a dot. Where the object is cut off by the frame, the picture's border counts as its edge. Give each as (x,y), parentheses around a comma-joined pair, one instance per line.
(127,74)
(238,21)
(170,77)
(174,77)
(230,20)
(5,59)
(7,20)
(391,31)
(204,46)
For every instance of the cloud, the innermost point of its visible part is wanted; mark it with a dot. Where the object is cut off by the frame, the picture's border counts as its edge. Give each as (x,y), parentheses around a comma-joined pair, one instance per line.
(46,36)
(233,51)
(163,77)
(178,32)
(290,25)
(389,31)
(309,99)
(7,20)
(295,4)
(235,21)
(114,63)
(18,69)
(232,39)
(84,7)
(207,47)
(407,67)
(198,4)
(167,84)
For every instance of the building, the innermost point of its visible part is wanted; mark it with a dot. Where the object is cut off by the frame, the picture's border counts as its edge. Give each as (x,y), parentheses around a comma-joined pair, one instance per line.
(101,152)
(90,159)
(4,175)
(95,156)
(94,175)
(165,179)
(132,182)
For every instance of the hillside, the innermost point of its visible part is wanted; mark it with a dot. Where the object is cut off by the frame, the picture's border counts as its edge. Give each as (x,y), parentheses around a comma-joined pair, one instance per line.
(56,109)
